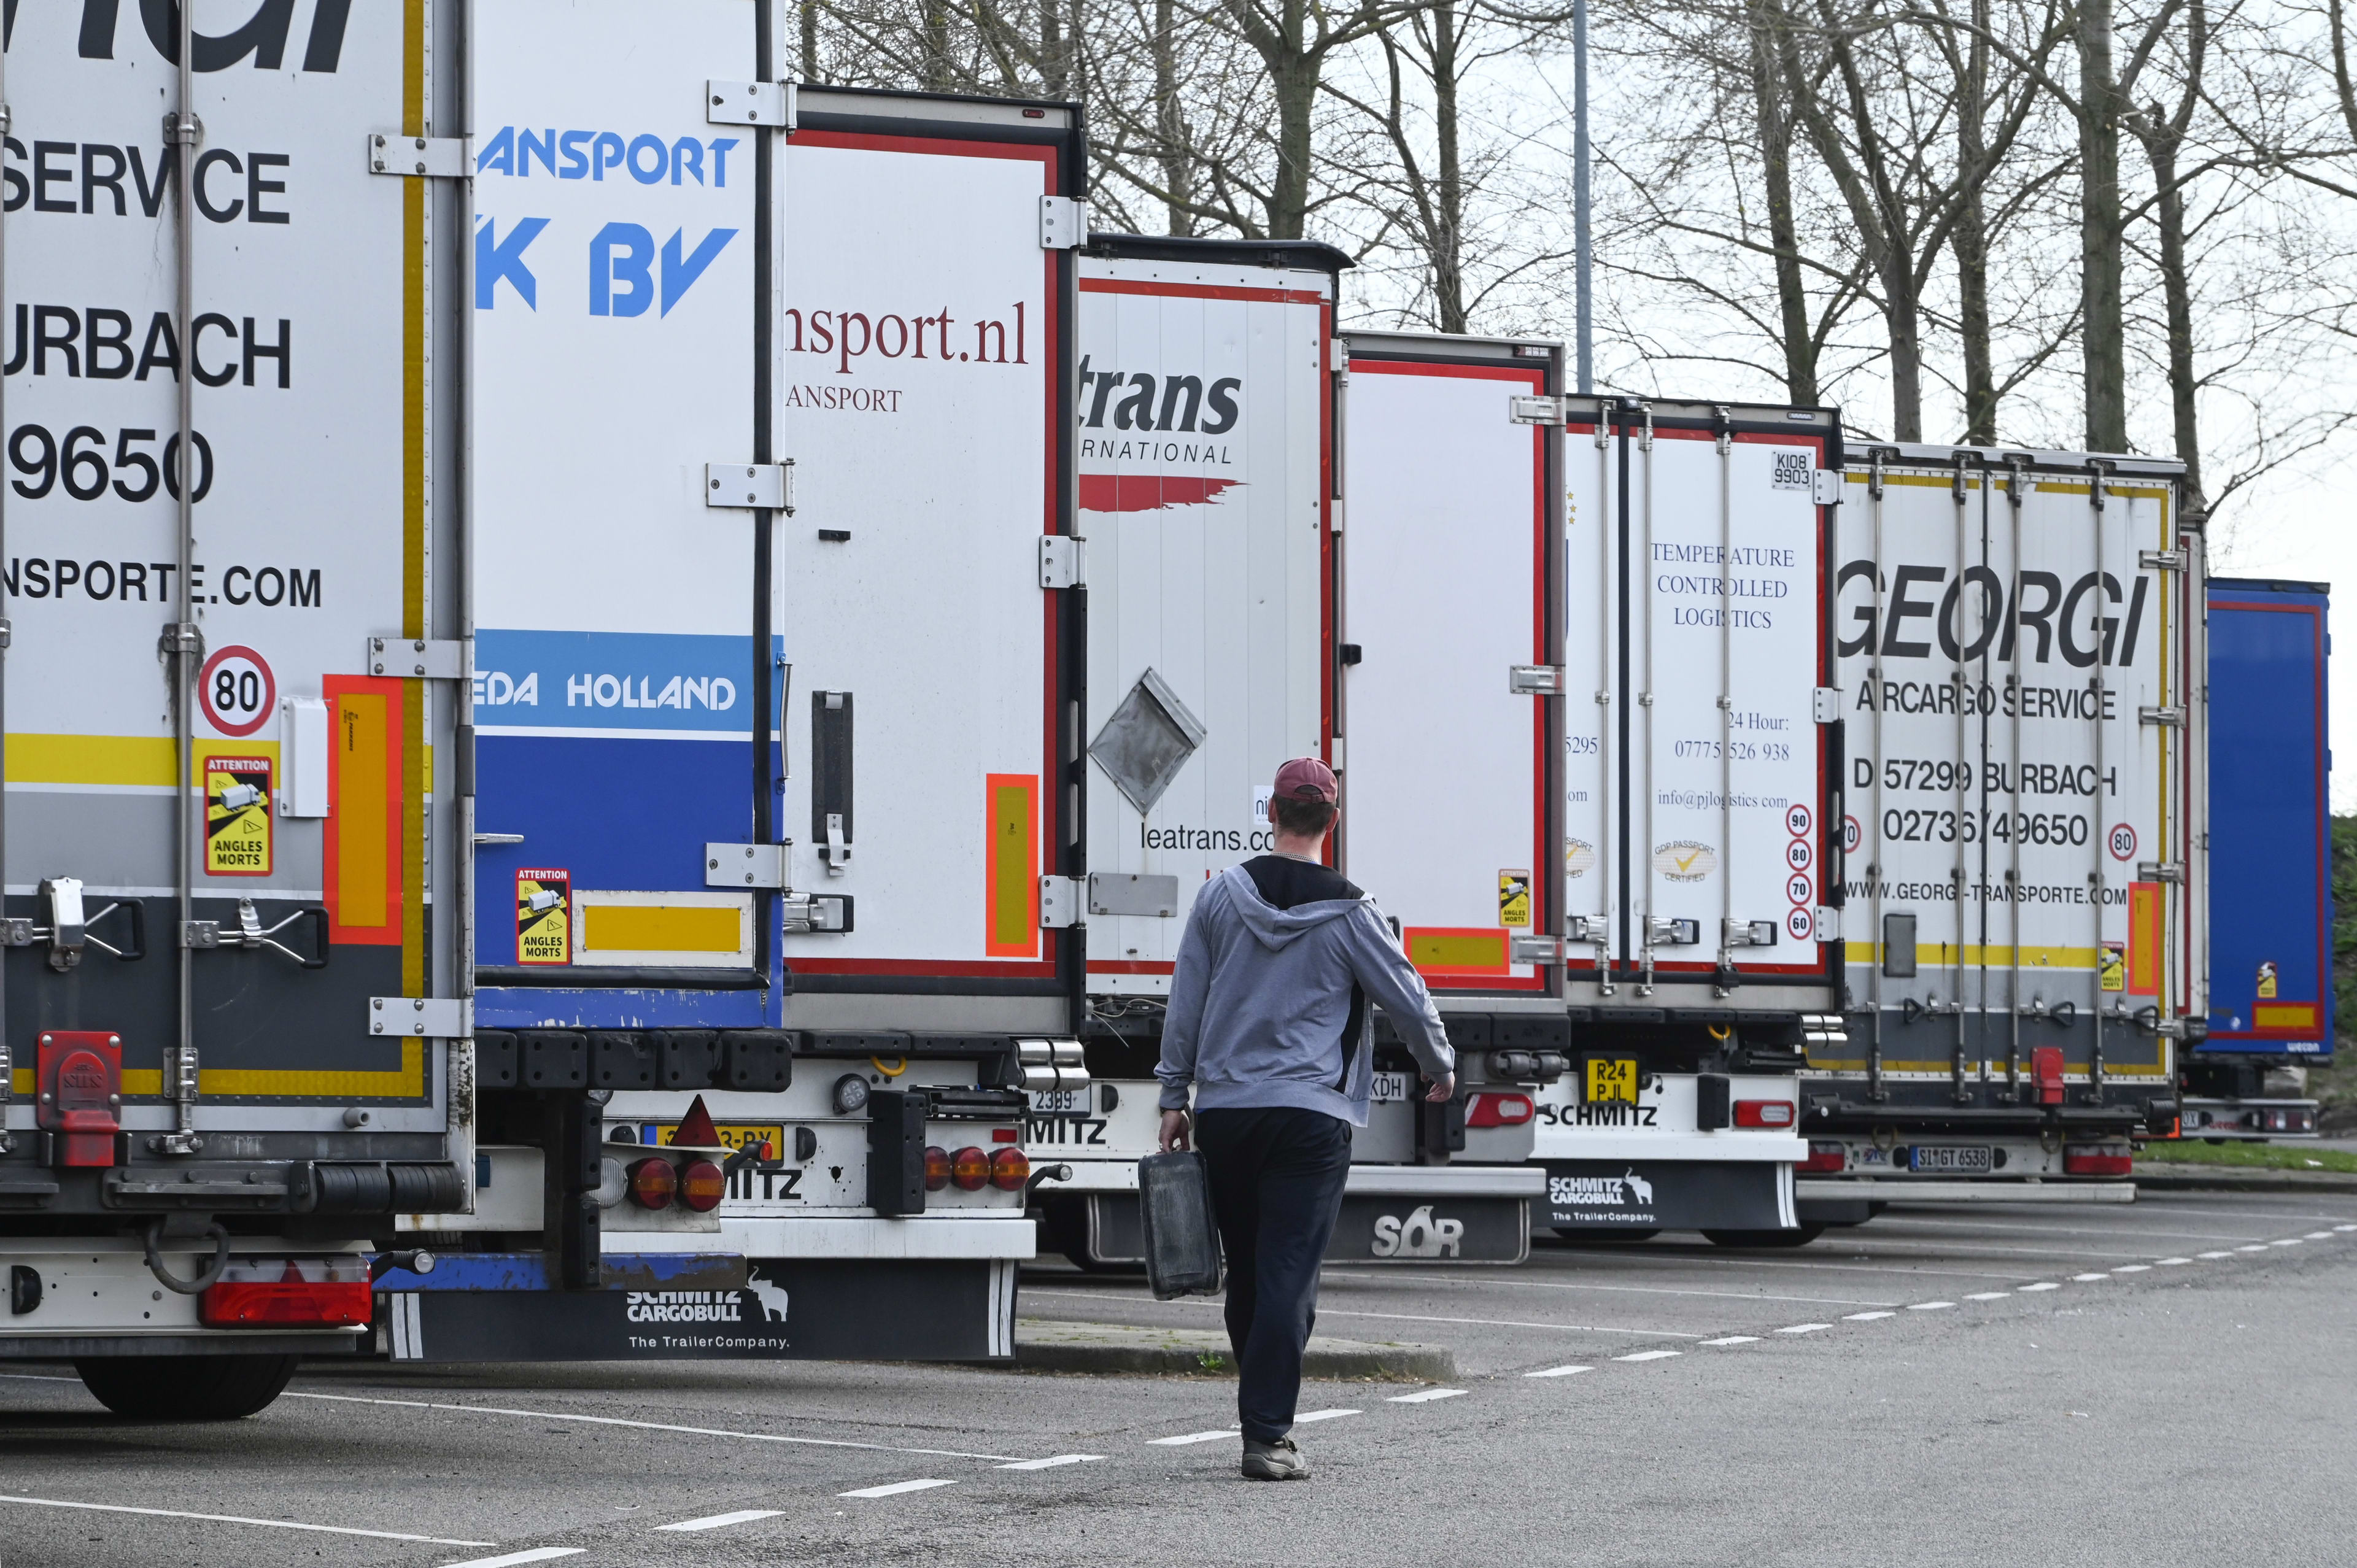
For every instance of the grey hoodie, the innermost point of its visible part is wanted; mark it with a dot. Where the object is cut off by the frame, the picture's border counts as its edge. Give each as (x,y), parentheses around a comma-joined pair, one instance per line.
(1268,1004)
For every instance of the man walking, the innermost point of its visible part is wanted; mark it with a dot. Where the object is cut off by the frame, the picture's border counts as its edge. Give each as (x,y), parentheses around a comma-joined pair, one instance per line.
(1268,1022)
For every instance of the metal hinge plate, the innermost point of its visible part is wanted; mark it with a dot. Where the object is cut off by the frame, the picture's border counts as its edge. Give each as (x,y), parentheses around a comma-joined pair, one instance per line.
(1597,929)
(2162,560)
(1064,223)
(1825,704)
(1063,561)
(806,912)
(2161,715)
(1536,679)
(1748,933)
(2160,871)
(418,657)
(1529,410)
(434,1017)
(1060,901)
(1526,946)
(744,865)
(761,485)
(1132,893)
(420,157)
(1827,487)
(1829,924)
(750,104)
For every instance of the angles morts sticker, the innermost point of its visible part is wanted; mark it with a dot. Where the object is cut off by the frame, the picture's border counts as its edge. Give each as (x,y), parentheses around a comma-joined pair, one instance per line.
(543,916)
(237,816)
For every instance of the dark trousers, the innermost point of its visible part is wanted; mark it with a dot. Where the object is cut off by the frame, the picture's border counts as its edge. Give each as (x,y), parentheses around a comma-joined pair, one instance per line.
(1277,1183)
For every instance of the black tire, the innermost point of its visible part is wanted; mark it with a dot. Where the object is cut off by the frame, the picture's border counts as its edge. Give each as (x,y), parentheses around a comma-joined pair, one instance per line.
(1797,1238)
(185,1388)
(1594,1236)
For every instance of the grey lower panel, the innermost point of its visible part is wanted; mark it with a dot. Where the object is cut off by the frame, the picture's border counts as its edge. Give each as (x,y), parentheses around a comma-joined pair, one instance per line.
(1668,1195)
(792,1310)
(1370,1229)
(46,1348)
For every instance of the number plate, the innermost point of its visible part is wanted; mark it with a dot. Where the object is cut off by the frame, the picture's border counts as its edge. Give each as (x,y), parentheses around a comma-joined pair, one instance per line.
(1390,1088)
(1611,1079)
(1060,1102)
(1972,1159)
(735,1134)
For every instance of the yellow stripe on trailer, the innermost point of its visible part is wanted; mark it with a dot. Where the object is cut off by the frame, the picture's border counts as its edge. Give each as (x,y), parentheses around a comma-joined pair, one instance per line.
(660,928)
(406,1081)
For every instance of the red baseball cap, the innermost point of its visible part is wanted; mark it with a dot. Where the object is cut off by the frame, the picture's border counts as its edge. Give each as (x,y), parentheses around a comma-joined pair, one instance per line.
(1307,779)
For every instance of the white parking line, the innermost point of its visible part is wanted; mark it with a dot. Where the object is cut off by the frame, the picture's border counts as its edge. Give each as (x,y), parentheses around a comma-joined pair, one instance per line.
(1185,1438)
(644,1426)
(2214,1254)
(238,1519)
(2133,1269)
(1559,1372)
(896,1488)
(1867,1317)
(1425,1396)
(1805,1328)
(2320,1235)
(1930,1306)
(1310,1415)
(1989,1295)
(2286,1241)
(1650,1356)
(2256,1246)
(2170,1262)
(1053,1462)
(722,1520)
(2345,1227)
(2082,1279)
(2042,1285)
(1735,1339)
(509,1559)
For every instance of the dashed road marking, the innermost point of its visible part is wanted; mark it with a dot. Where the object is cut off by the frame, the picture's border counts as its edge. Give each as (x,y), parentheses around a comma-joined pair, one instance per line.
(2170,1262)
(2345,1227)
(2133,1269)
(2286,1241)
(1426,1396)
(1867,1317)
(2254,1247)
(1989,1295)
(238,1519)
(1805,1328)
(1559,1372)
(2214,1254)
(722,1520)
(2320,1235)
(1930,1306)
(509,1559)
(896,1488)
(2042,1285)
(1324,1415)
(1053,1462)
(2083,1279)
(1650,1356)
(1735,1339)
(1185,1438)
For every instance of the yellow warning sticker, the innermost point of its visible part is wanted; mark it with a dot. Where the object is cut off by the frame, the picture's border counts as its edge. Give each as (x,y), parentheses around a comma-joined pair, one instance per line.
(1513,897)
(237,816)
(543,916)
(2266,977)
(2114,967)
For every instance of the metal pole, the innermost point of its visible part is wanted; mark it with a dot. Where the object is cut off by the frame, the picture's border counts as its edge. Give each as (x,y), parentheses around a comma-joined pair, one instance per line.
(1579,205)
(7,1064)
(186,643)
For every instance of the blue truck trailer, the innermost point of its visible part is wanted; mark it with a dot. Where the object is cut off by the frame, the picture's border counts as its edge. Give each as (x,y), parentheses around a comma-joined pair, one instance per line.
(2270,889)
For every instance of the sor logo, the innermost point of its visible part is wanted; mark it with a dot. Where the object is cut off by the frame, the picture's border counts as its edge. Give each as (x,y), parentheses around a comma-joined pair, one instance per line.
(1792,471)
(1418,1236)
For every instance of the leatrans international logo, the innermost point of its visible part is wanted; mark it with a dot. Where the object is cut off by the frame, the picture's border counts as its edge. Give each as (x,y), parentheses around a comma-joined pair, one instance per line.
(1600,1192)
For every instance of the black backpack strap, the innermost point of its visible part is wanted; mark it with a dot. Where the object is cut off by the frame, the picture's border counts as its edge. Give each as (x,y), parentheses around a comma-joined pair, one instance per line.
(1355,1035)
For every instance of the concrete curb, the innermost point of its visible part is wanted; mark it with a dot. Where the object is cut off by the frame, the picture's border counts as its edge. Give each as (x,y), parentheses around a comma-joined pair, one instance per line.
(1043,1345)
(2235,1178)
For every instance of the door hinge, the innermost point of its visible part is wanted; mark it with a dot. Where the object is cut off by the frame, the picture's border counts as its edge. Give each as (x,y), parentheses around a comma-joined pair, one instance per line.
(2162,560)
(750,104)
(1827,488)
(1825,704)
(2161,715)
(1064,223)
(1529,410)
(1536,679)
(2160,871)
(744,865)
(434,1017)
(420,157)
(1060,901)
(1063,561)
(1829,924)
(1529,947)
(418,657)
(762,486)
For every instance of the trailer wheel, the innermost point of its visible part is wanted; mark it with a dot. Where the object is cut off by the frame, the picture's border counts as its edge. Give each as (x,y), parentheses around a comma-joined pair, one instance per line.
(185,1388)
(1798,1237)
(1599,1235)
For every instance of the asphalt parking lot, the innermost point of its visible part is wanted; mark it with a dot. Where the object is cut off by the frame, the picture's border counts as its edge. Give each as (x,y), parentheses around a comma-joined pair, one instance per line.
(2165,1381)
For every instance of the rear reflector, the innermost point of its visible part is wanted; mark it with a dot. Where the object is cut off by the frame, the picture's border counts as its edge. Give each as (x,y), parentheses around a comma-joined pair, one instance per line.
(1824,1157)
(970,1169)
(654,1182)
(1763,1113)
(937,1169)
(702,1185)
(1009,1169)
(279,1293)
(1006,1134)
(2095,1159)
(1497,1110)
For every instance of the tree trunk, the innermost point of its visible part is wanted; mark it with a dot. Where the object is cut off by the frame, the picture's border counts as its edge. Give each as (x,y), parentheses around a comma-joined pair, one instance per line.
(2177,298)
(810,40)
(1448,242)
(1170,124)
(937,45)
(1293,80)
(1971,243)
(2102,327)
(1054,69)
(1775,125)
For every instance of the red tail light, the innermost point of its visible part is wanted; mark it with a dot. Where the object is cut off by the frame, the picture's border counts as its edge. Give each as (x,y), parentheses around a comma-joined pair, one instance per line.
(970,1169)
(276,1292)
(2045,1072)
(1497,1110)
(937,1169)
(702,1185)
(654,1182)
(1009,1169)
(1763,1113)
(1824,1157)
(2095,1159)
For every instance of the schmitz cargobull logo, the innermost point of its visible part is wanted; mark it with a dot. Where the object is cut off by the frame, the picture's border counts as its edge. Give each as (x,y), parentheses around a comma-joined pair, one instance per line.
(1626,1190)
(686,1306)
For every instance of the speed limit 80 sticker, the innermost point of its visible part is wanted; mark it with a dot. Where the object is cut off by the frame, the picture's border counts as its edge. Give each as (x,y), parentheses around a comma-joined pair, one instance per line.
(237,690)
